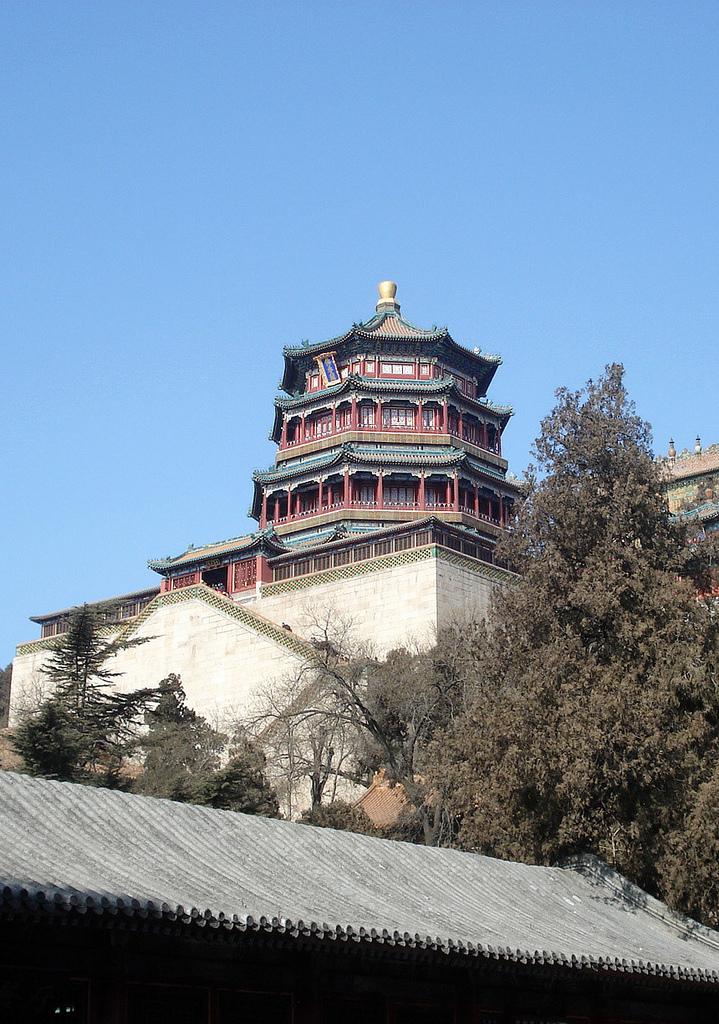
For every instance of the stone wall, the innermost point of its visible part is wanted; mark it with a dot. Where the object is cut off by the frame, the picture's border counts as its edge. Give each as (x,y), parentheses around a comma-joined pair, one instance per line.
(221,653)
(225,650)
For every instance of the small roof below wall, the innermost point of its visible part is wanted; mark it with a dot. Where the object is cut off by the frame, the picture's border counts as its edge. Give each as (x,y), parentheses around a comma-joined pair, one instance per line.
(134,595)
(68,849)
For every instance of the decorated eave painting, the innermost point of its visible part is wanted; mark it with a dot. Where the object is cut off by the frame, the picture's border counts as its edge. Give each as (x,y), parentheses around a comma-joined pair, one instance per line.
(328,368)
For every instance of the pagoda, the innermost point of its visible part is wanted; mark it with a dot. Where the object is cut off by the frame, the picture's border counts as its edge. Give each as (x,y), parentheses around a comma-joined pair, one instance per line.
(385,502)
(385,430)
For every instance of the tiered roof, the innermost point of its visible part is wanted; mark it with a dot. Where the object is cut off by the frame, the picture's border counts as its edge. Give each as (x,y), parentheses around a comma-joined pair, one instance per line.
(385,330)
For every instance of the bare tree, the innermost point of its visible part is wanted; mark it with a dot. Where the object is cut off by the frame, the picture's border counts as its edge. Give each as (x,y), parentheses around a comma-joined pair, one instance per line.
(347,713)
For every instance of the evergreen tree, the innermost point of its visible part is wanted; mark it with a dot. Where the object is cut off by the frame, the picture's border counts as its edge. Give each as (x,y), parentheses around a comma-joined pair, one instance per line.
(340,815)
(592,706)
(92,725)
(50,742)
(181,748)
(241,785)
(688,866)
(5,684)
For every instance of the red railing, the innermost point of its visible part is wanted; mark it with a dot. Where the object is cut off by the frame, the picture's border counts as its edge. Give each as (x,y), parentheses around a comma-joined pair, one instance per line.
(387,428)
(429,507)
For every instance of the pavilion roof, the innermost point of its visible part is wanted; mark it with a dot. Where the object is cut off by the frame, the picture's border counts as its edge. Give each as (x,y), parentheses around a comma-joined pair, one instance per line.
(704,513)
(265,540)
(353,453)
(688,464)
(341,536)
(80,853)
(381,331)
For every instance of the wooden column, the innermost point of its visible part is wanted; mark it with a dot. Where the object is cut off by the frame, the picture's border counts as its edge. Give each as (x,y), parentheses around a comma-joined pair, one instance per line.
(319,494)
(459,424)
(330,496)
(445,417)
(422,493)
(353,414)
(455,497)
(448,493)
(347,489)
(378,415)
(283,440)
(476,502)
(419,425)
(379,493)
(334,419)
(263,514)
(277,505)
(289,502)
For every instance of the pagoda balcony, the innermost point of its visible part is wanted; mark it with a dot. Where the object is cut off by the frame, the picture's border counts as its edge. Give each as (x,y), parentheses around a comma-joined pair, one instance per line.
(388,505)
(436,419)
(387,491)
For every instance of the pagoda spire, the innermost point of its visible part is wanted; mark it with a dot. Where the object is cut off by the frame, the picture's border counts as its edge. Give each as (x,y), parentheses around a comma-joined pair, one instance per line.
(387,297)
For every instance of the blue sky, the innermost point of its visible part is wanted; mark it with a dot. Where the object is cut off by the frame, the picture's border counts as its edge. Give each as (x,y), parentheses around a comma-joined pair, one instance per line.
(189,186)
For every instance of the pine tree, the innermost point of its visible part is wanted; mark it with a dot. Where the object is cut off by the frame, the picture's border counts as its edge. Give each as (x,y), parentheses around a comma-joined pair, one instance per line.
(92,724)
(181,748)
(241,785)
(592,708)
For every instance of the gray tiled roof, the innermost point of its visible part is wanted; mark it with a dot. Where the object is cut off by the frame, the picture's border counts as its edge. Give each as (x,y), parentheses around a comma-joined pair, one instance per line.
(64,846)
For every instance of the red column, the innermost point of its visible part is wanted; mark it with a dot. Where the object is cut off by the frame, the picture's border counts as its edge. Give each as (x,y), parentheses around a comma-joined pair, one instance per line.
(289,502)
(476,502)
(379,497)
(448,493)
(419,425)
(347,488)
(283,441)
(264,573)
(334,419)
(445,418)
(319,494)
(263,515)
(378,415)
(330,496)
(277,505)
(499,443)
(422,494)
(303,435)
(229,580)
(455,499)
(459,424)
(353,414)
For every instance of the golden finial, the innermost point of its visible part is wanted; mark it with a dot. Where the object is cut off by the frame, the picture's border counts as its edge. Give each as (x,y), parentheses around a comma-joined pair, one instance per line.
(387,296)
(672,450)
